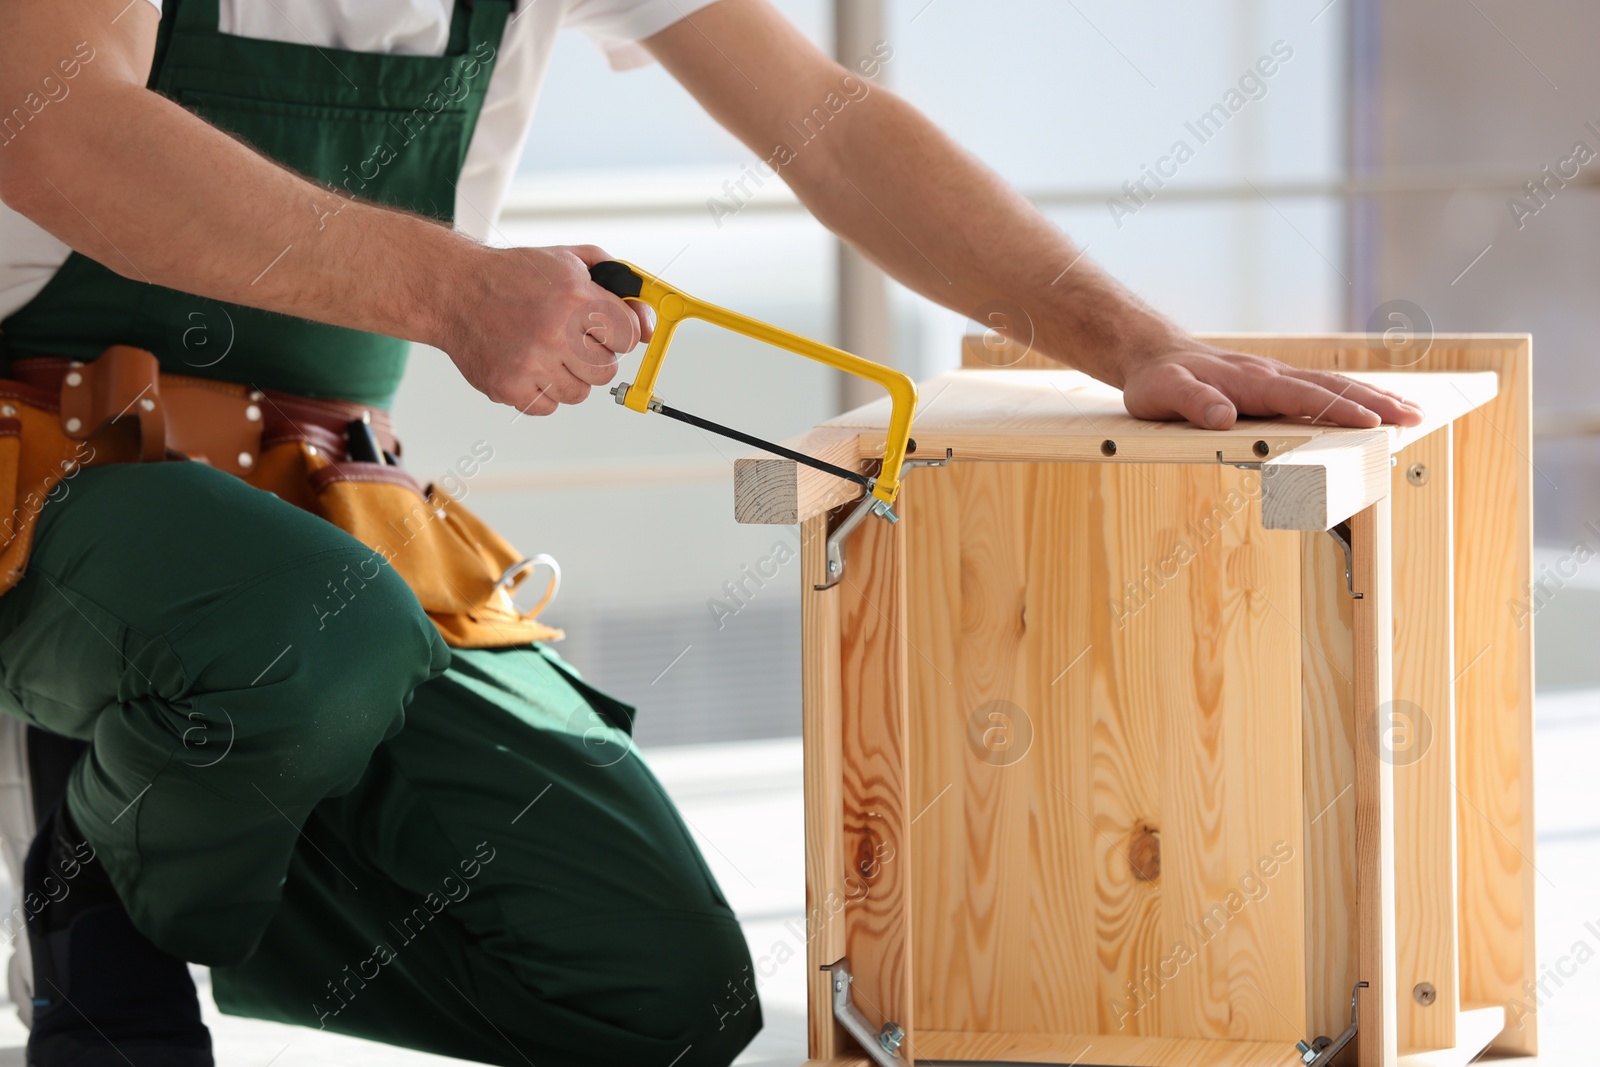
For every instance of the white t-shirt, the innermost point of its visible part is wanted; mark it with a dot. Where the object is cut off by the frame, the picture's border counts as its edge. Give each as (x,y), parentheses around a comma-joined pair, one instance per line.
(29,256)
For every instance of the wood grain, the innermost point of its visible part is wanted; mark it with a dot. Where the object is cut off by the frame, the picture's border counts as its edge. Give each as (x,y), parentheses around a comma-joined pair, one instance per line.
(821,699)
(1323,482)
(1135,619)
(771,490)
(1327,706)
(874,758)
(1494,654)
(1107,1051)
(1423,744)
(1372,679)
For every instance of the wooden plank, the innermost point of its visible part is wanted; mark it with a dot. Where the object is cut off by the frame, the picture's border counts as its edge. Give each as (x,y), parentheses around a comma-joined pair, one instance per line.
(1056,415)
(1106,1050)
(1328,749)
(1012,414)
(967,557)
(1324,482)
(1374,792)
(1494,655)
(874,757)
(827,894)
(1421,745)
(1133,620)
(771,490)
(1494,707)
(1474,1029)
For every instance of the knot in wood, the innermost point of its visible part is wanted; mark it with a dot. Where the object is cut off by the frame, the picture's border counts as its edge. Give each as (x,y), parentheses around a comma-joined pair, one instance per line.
(1144,854)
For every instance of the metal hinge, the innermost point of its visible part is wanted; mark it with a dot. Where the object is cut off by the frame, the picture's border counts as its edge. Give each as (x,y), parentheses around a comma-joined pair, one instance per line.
(871,505)
(882,1045)
(1321,1051)
(1341,534)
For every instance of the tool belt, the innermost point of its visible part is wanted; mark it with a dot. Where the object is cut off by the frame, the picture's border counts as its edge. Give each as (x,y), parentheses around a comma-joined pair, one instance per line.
(58,417)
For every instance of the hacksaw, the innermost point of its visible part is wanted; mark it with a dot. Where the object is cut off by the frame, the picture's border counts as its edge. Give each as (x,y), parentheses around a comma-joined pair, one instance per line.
(673,306)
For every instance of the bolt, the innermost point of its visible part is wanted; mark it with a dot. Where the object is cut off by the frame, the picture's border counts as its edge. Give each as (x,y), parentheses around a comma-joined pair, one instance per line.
(891,1037)
(1417,474)
(1307,1053)
(1424,993)
(1261,448)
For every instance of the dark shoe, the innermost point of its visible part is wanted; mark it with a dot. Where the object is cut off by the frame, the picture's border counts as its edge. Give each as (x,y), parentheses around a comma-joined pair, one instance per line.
(103,994)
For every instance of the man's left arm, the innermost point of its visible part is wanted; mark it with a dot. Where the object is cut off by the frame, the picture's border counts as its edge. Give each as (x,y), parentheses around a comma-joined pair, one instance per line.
(885,178)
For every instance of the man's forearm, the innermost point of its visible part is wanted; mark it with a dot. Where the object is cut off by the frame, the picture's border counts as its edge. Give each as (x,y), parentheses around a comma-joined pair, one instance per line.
(178,183)
(131,179)
(970,239)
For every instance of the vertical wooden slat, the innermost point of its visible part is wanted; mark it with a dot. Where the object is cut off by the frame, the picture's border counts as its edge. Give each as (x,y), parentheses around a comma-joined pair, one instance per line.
(967,558)
(1374,792)
(1064,596)
(1327,620)
(874,758)
(1422,745)
(824,805)
(1494,703)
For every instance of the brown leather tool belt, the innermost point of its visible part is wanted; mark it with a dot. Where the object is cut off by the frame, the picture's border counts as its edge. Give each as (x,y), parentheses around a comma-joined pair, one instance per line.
(58,417)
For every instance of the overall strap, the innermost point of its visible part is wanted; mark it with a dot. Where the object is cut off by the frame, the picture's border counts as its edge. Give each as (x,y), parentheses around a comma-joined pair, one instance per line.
(476,22)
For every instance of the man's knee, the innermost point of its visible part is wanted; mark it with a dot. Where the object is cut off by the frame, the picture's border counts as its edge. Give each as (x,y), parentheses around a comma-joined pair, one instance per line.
(704,988)
(323,655)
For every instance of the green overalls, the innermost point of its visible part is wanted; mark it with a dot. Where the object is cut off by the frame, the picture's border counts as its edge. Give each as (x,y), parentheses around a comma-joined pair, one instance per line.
(355,827)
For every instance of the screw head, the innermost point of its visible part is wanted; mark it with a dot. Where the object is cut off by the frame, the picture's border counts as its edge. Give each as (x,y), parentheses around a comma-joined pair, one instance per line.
(1417,474)
(1424,993)
(74,425)
(1261,448)
(147,404)
(74,379)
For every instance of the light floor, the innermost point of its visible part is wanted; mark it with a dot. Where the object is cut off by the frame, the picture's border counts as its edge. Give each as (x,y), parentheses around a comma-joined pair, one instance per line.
(743,802)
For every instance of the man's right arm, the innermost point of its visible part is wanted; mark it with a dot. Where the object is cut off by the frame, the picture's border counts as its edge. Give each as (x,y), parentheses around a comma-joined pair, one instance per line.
(129,178)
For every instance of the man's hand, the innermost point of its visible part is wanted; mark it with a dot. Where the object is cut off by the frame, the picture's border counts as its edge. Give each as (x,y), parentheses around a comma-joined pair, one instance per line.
(1212,387)
(533,331)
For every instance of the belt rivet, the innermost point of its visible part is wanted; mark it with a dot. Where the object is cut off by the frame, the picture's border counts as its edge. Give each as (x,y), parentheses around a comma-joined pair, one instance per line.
(8,411)
(147,404)
(252,413)
(246,459)
(68,464)
(311,450)
(255,394)
(74,425)
(74,378)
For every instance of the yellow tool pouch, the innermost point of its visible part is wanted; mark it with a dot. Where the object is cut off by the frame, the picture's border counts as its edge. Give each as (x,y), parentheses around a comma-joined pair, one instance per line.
(58,418)
(462,572)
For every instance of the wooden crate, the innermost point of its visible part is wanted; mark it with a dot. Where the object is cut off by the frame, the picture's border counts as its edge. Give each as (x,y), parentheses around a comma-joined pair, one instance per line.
(1125,760)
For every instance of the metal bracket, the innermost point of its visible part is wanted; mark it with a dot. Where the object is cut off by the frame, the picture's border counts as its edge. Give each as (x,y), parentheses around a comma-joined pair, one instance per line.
(1341,534)
(871,505)
(1244,466)
(882,1045)
(1321,1051)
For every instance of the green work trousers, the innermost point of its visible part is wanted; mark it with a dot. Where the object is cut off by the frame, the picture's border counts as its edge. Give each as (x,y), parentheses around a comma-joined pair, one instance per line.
(291,778)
